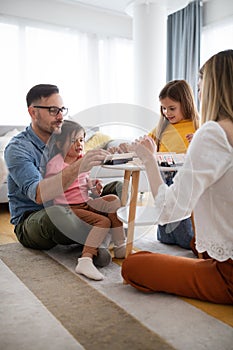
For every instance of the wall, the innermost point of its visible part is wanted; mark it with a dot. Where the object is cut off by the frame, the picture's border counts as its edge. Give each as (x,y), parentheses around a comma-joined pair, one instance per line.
(88,20)
(216,11)
(69,15)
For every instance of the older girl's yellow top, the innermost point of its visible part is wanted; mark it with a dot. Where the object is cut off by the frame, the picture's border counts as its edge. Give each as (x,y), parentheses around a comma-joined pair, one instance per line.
(174,136)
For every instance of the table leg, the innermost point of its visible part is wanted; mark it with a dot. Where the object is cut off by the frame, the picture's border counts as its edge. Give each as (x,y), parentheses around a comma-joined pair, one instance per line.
(132,211)
(125,187)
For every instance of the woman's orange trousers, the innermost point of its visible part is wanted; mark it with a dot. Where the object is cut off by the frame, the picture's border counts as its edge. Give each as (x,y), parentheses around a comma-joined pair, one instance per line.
(203,279)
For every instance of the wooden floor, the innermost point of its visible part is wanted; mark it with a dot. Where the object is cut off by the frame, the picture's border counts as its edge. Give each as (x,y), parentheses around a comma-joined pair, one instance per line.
(6,229)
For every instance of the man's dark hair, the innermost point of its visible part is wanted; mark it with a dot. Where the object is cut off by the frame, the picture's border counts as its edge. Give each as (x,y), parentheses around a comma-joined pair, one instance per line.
(39,91)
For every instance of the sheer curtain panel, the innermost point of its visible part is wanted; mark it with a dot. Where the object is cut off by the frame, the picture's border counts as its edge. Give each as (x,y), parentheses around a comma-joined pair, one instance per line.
(89,70)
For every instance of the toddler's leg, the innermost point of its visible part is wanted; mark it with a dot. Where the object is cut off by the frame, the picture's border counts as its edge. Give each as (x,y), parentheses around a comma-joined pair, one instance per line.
(100,227)
(109,205)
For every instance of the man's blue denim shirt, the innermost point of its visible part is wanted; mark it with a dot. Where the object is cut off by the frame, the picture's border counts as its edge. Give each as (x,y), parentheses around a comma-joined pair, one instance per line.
(25,158)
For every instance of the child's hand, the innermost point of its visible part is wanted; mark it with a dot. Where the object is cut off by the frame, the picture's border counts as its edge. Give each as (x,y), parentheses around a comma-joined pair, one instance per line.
(125,147)
(99,186)
(189,137)
(114,149)
(122,148)
(96,187)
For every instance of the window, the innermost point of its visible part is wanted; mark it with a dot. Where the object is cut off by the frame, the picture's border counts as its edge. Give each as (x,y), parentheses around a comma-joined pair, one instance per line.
(88,70)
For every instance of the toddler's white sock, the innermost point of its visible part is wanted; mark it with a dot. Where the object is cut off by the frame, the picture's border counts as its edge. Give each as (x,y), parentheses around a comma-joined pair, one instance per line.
(87,268)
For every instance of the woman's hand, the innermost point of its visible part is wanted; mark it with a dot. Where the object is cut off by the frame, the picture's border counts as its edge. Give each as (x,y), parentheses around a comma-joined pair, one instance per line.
(144,147)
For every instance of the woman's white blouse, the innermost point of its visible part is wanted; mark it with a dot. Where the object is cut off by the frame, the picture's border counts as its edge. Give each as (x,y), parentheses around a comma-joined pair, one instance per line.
(204,186)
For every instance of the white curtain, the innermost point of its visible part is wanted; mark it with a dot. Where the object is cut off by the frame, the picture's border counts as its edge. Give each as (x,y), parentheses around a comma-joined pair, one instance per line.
(89,70)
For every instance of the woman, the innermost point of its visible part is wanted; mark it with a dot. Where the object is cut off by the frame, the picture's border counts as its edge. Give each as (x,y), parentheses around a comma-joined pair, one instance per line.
(203,185)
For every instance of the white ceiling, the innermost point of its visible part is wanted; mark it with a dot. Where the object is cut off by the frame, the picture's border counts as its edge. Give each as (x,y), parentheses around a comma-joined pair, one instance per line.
(120,6)
(109,5)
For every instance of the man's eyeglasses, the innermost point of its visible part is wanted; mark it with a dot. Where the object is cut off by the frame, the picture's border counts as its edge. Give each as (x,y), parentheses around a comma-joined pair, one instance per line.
(53,110)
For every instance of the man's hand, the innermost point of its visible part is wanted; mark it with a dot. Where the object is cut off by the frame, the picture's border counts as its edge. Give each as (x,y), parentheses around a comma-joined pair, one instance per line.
(92,158)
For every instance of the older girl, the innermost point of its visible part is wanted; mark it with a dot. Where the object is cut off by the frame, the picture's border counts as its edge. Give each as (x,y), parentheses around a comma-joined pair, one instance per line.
(178,121)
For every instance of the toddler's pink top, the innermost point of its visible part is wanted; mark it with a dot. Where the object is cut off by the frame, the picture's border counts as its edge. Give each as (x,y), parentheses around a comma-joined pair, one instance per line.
(77,192)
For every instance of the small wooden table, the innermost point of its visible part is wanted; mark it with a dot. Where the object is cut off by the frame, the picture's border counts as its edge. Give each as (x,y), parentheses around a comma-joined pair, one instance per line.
(127,214)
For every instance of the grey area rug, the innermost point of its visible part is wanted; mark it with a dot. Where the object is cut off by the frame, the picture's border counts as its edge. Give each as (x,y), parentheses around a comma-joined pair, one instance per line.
(92,319)
(44,305)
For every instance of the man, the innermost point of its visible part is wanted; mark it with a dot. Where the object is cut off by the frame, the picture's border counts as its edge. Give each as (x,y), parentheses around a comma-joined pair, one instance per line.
(38,224)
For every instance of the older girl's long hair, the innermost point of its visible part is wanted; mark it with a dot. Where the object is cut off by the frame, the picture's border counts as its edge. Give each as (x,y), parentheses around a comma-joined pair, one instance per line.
(179,91)
(217,87)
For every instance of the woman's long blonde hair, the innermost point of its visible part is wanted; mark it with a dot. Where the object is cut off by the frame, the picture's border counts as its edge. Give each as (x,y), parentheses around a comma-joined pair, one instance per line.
(179,91)
(217,87)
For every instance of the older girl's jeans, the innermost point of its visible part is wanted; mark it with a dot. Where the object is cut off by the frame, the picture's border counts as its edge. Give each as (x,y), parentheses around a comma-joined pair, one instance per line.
(179,233)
